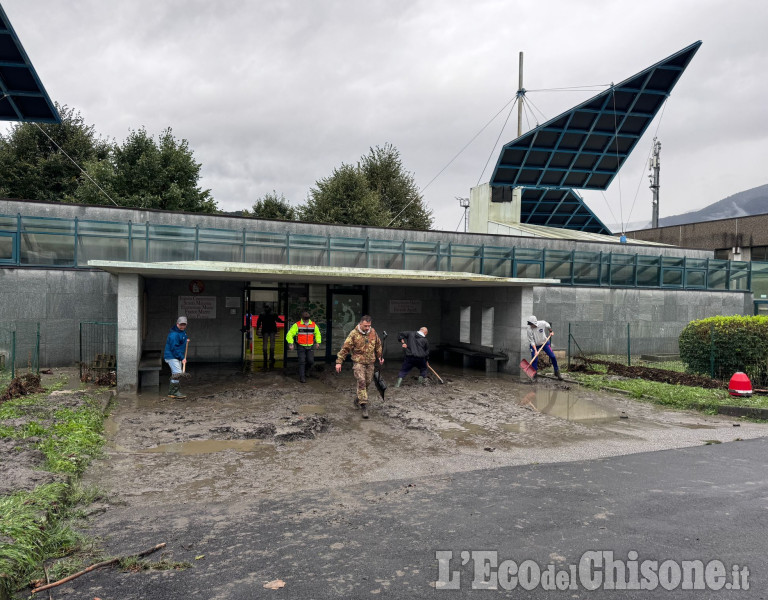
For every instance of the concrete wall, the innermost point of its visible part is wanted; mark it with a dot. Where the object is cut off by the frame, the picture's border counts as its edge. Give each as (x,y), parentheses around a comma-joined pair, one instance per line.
(394,322)
(211,340)
(508,304)
(604,313)
(59,300)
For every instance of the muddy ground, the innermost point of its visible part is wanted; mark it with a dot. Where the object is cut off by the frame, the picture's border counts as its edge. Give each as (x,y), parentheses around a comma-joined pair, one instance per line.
(264,434)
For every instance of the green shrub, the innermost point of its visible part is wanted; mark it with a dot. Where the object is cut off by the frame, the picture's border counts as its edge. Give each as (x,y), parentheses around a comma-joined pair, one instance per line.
(721,346)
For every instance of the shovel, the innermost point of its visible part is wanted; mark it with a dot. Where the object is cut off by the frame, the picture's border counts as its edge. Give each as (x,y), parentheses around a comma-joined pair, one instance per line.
(378,381)
(440,379)
(184,363)
(526,366)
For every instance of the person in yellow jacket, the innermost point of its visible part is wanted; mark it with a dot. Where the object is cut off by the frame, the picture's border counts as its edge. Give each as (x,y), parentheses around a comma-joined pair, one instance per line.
(364,345)
(306,333)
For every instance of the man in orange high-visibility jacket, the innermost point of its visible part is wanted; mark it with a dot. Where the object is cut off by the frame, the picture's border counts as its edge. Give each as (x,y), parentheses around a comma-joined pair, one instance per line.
(307,336)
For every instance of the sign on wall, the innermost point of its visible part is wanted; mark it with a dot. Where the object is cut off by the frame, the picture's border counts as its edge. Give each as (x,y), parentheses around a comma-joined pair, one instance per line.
(197,307)
(402,307)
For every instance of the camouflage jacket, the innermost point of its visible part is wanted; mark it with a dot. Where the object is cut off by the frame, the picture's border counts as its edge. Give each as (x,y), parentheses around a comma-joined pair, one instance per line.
(364,348)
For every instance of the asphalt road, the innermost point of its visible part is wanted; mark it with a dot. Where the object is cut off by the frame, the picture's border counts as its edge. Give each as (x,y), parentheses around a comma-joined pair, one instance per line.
(707,503)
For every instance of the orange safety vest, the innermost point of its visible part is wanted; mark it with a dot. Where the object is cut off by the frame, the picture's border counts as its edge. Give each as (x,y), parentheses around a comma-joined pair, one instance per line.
(306,334)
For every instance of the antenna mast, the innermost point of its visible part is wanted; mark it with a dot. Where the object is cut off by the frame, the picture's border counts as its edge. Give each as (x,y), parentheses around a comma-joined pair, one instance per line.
(654,167)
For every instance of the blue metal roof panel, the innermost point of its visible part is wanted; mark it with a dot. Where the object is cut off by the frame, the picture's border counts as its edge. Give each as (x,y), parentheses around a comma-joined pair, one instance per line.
(22,95)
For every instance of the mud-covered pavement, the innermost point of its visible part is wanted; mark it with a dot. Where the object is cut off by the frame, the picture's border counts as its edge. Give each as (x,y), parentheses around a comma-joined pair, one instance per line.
(262,434)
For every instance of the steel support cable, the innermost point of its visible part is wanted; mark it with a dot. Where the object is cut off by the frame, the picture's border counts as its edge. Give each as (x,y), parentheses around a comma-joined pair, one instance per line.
(431,181)
(529,101)
(496,143)
(75,163)
(616,144)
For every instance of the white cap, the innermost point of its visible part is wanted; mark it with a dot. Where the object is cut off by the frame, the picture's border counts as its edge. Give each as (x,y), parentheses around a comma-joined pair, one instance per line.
(181,320)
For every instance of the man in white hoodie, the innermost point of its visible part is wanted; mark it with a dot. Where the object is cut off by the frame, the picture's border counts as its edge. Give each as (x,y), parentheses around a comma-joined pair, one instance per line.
(538,334)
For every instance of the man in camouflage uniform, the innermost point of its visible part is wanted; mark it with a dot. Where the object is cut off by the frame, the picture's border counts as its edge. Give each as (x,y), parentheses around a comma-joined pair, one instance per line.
(364,345)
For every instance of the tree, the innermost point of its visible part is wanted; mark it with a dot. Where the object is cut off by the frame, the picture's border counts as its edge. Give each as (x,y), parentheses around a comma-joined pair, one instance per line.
(145,173)
(378,192)
(33,168)
(396,188)
(344,198)
(272,207)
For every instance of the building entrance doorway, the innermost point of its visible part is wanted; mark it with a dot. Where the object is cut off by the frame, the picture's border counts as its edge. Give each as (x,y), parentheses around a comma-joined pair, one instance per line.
(263,347)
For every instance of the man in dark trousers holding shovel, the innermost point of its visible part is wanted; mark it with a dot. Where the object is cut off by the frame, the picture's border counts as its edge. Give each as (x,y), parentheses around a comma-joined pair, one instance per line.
(539,333)
(416,349)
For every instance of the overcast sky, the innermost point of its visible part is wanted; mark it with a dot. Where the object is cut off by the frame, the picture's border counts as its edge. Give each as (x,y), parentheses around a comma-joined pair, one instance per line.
(275,95)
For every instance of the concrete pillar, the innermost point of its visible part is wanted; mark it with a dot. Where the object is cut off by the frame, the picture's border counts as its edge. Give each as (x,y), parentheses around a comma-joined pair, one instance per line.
(482,209)
(129,296)
(526,310)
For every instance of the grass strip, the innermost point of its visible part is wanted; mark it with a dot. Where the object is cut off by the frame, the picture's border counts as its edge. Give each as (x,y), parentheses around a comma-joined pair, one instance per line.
(669,395)
(36,525)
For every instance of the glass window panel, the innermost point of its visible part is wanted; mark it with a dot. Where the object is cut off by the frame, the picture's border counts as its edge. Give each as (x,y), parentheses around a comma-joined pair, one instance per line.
(386,260)
(265,238)
(53,250)
(528,270)
(696,263)
(760,284)
(270,255)
(309,241)
(756,252)
(622,259)
(8,223)
(527,254)
(167,250)
(716,276)
(589,257)
(622,274)
(584,274)
(347,244)
(651,261)
(648,276)
(558,265)
(6,248)
(312,258)
(738,280)
(220,235)
(695,279)
(421,262)
(461,264)
(172,232)
(385,245)
(497,268)
(672,261)
(422,247)
(672,277)
(220,252)
(348,259)
(102,228)
(100,248)
(605,271)
(42,225)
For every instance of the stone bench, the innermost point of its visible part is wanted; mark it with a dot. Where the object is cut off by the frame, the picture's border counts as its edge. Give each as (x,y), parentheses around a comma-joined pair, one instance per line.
(492,359)
(149,368)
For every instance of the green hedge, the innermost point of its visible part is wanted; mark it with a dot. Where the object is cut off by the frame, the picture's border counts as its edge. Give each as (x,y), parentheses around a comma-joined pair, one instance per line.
(721,346)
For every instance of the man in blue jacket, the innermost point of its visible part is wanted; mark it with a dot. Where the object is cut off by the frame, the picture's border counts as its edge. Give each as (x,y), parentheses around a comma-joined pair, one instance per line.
(176,355)
(416,349)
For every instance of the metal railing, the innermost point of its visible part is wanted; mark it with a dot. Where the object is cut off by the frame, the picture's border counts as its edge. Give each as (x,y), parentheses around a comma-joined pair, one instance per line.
(46,242)
(19,347)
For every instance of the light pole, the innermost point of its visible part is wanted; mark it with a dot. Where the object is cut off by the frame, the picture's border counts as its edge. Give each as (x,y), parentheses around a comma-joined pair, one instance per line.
(464,203)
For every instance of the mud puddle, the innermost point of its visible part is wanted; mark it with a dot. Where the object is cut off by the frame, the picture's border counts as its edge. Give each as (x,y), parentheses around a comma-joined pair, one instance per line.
(264,434)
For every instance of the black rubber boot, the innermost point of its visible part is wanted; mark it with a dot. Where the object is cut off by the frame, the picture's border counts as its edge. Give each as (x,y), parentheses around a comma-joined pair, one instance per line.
(557,374)
(365,410)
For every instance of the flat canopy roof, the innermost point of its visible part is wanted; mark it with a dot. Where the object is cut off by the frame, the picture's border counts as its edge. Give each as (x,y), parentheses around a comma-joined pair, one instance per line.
(310,274)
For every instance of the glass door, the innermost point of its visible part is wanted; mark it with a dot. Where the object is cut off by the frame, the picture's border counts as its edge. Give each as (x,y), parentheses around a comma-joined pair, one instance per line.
(346,308)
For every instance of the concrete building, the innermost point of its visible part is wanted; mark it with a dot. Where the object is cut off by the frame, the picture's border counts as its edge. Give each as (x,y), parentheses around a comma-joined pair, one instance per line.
(63,264)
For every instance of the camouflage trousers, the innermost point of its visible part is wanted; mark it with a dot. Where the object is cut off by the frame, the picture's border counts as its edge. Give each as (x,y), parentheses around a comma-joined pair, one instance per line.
(364,376)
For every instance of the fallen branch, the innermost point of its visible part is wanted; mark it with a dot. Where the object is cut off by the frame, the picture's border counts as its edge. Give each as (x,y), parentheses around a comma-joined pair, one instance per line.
(97,566)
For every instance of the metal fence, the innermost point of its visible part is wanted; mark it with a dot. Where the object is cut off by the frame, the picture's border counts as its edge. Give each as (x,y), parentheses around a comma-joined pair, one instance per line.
(655,345)
(19,347)
(641,343)
(98,351)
